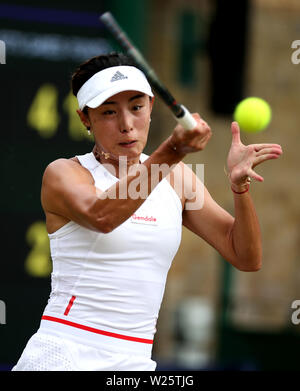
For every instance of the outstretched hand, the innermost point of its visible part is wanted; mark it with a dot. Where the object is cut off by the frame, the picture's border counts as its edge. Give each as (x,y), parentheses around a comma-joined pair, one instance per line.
(243,158)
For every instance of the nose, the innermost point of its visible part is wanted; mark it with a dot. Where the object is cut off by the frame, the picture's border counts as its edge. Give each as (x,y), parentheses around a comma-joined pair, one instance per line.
(125,122)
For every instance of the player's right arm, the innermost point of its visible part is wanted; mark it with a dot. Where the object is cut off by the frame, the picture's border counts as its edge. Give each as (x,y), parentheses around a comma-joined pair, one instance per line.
(69,192)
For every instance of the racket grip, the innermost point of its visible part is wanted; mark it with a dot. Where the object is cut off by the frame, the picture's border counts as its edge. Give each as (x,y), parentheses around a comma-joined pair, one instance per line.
(186,120)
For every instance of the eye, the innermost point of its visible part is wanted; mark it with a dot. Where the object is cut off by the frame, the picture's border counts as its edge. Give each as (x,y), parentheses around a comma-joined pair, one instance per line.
(137,107)
(108,112)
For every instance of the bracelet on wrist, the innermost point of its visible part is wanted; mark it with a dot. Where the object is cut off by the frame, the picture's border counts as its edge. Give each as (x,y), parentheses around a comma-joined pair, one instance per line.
(247,183)
(240,192)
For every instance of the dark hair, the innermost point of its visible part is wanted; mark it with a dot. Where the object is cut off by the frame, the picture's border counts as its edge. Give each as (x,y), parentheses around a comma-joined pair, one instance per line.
(95,64)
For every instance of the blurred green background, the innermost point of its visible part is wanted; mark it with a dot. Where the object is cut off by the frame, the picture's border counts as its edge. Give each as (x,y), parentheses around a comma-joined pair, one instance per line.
(210,54)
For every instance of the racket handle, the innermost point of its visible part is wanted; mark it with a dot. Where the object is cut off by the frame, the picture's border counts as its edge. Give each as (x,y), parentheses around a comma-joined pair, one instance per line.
(186,120)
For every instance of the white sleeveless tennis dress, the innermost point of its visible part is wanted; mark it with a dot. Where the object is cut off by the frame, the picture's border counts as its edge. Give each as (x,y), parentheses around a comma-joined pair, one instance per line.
(107,289)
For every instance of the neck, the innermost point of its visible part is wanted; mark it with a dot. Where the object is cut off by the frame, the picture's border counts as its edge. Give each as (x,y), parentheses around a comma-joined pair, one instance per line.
(117,165)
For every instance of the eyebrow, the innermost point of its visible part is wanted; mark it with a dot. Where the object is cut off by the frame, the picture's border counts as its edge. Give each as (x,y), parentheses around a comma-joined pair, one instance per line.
(130,99)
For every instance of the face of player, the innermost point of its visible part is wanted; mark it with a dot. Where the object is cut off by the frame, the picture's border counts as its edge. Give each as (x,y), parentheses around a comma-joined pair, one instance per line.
(121,124)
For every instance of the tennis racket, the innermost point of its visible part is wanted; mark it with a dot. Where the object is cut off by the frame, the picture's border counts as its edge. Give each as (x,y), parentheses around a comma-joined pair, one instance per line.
(182,115)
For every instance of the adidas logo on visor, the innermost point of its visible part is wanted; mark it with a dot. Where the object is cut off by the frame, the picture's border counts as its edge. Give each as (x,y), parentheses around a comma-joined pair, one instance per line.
(118,76)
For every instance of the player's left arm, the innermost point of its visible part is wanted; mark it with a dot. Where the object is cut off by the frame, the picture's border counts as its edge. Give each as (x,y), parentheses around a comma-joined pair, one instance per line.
(238,238)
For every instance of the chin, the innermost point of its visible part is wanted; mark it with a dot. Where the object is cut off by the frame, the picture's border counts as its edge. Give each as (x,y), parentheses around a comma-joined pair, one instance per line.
(132,153)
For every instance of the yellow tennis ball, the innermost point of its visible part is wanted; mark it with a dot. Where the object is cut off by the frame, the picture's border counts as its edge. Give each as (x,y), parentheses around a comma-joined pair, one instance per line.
(253,114)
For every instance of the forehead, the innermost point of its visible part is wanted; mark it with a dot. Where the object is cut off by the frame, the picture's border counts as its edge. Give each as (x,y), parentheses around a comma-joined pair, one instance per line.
(124,96)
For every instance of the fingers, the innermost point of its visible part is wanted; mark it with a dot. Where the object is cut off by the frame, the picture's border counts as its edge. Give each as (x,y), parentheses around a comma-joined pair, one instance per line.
(266,152)
(235,131)
(269,149)
(252,174)
(193,140)
(198,138)
(263,158)
(197,116)
(203,141)
(262,153)
(274,147)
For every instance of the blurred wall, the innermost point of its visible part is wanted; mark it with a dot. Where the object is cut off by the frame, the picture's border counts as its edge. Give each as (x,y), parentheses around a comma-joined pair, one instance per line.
(257,302)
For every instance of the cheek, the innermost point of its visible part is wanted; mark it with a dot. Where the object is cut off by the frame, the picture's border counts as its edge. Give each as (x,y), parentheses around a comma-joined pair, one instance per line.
(144,129)
(143,123)
(104,130)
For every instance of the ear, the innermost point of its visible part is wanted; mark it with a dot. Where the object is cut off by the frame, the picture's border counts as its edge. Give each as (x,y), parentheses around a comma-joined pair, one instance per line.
(152,103)
(83,118)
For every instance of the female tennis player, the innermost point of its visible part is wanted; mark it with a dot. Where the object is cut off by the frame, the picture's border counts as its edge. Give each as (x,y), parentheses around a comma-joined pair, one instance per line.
(114,229)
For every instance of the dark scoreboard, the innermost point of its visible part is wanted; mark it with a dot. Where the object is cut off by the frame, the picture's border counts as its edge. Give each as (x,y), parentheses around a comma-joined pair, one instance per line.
(39,124)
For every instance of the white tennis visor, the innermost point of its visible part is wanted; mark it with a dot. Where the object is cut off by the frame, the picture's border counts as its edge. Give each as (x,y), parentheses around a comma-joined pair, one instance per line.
(111,81)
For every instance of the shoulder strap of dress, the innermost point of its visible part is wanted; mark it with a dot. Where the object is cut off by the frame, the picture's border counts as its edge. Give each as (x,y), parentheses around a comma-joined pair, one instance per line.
(88,161)
(143,157)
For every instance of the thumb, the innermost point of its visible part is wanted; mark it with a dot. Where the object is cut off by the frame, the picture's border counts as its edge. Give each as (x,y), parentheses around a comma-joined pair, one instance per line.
(235,131)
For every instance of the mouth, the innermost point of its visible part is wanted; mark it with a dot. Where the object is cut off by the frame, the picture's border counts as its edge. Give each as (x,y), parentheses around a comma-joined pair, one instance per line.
(128,144)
